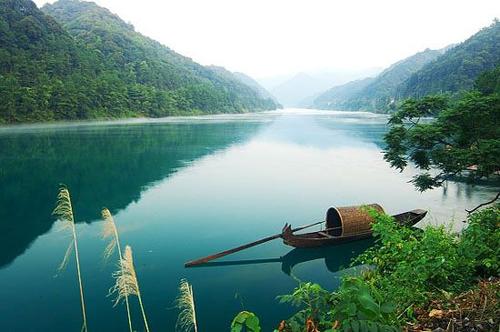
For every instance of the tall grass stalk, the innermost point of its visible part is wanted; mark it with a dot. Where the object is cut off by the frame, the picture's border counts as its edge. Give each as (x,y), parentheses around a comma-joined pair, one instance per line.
(64,212)
(110,231)
(185,302)
(126,282)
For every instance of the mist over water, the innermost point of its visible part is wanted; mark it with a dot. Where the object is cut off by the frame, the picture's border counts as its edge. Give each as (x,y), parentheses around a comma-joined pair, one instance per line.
(181,188)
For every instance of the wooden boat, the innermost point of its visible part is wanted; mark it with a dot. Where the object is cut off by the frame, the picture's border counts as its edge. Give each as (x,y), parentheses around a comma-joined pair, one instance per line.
(345,224)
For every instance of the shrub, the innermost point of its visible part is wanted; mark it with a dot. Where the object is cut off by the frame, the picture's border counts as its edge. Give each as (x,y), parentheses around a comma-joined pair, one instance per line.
(480,242)
(410,265)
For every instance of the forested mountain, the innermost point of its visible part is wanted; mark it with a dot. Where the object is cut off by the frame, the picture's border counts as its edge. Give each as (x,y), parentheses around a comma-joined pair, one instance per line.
(239,80)
(336,97)
(458,68)
(88,63)
(42,69)
(244,78)
(374,94)
(443,71)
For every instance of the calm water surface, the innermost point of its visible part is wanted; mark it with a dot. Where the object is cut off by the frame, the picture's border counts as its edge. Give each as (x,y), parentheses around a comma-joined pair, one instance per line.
(184,188)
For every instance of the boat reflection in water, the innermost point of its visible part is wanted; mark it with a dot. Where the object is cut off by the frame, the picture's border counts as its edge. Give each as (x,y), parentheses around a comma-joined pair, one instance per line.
(336,257)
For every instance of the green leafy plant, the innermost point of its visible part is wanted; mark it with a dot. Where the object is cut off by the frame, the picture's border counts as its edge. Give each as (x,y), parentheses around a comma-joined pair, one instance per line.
(245,321)
(314,301)
(360,307)
(410,265)
(480,242)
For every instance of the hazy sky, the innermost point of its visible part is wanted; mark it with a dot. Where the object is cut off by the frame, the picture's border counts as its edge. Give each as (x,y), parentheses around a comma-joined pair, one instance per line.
(274,37)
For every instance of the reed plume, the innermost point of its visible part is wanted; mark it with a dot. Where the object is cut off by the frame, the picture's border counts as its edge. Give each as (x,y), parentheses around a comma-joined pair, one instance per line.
(110,231)
(64,212)
(126,282)
(185,303)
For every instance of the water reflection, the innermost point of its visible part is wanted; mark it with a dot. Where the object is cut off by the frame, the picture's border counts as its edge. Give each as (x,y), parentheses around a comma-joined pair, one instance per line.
(335,257)
(102,165)
(184,189)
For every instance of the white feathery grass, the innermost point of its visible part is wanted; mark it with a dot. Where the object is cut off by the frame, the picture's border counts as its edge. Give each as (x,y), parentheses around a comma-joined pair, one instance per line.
(64,212)
(65,260)
(110,231)
(186,320)
(126,282)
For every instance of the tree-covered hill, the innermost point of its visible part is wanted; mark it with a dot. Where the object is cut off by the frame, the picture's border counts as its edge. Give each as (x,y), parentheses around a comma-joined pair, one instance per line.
(264,93)
(378,93)
(458,68)
(338,96)
(43,72)
(148,65)
(88,63)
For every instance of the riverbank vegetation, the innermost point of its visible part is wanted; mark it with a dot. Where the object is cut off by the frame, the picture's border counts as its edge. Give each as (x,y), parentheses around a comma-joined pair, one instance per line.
(415,280)
(423,279)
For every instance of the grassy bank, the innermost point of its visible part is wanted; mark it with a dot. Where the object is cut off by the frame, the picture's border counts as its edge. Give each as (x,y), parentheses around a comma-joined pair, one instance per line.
(419,280)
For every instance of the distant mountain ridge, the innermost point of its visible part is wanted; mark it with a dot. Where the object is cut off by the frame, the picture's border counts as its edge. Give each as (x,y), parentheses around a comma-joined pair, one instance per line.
(372,94)
(264,93)
(449,70)
(297,90)
(76,60)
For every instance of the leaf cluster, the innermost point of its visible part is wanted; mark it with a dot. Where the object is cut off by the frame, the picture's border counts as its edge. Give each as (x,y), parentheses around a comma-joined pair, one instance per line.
(462,138)
(245,321)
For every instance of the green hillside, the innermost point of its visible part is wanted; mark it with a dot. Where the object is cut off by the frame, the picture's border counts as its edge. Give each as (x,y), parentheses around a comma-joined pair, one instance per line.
(338,96)
(378,93)
(244,78)
(87,63)
(458,68)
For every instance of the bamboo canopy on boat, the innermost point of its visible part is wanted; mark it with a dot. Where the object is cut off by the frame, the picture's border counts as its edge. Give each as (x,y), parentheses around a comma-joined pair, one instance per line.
(350,220)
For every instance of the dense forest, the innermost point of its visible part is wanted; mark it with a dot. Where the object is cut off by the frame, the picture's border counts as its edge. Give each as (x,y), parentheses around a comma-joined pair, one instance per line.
(450,70)
(80,61)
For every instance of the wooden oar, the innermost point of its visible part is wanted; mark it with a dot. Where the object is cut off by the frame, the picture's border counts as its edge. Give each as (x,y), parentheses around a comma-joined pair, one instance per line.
(245,246)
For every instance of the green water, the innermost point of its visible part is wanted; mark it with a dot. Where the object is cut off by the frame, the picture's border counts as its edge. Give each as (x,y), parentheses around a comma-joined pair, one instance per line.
(184,188)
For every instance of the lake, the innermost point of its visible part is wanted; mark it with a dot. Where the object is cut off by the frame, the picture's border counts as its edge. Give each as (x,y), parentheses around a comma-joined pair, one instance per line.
(181,188)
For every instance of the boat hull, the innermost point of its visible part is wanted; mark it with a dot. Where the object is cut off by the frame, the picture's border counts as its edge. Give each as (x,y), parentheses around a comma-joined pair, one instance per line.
(319,239)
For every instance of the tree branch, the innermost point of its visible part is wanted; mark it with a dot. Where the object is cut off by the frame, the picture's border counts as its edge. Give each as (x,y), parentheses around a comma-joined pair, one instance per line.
(483,204)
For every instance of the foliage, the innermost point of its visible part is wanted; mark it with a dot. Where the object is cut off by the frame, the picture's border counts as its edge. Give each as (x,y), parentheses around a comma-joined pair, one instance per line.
(245,321)
(356,306)
(97,66)
(314,301)
(410,265)
(480,242)
(464,137)
(410,268)
(361,307)
(489,82)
